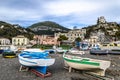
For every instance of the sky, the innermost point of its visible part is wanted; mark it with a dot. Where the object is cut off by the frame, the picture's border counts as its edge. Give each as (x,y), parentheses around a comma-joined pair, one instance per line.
(68,13)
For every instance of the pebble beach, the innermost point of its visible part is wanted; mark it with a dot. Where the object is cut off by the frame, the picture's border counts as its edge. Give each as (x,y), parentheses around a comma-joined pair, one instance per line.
(9,69)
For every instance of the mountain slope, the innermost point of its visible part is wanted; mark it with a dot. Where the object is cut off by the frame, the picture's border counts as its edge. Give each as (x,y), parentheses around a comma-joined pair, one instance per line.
(47,27)
(8,30)
(106,31)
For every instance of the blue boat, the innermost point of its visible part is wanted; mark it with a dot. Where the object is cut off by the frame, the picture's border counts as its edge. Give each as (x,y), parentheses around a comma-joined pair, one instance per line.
(37,59)
(96,50)
(1,51)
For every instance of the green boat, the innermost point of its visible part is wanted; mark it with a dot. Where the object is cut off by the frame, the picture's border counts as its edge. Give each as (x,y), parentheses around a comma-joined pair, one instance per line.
(9,54)
(80,63)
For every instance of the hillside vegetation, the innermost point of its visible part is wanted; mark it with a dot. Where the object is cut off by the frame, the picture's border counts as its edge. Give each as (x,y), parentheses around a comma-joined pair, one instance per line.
(47,27)
(106,31)
(8,30)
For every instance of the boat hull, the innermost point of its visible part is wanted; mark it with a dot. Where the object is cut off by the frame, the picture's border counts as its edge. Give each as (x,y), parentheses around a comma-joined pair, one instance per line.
(87,65)
(99,52)
(81,66)
(1,51)
(36,62)
(77,52)
(114,51)
(9,54)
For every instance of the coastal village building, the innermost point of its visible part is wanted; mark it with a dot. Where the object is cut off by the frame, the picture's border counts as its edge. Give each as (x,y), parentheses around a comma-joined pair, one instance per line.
(45,39)
(4,41)
(93,39)
(73,34)
(20,40)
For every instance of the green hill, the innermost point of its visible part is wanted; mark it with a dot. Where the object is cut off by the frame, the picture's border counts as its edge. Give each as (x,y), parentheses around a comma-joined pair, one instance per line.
(47,27)
(8,30)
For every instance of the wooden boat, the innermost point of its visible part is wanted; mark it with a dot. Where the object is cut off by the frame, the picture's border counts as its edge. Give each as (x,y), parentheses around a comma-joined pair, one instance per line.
(1,51)
(33,50)
(114,52)
(86,63)
(99,52)
(76,51)
(50,50)
(105,52)
(60,50)
(9,54)
(35,58)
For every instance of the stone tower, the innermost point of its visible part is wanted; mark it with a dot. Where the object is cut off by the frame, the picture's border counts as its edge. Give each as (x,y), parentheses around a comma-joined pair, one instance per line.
(101,20)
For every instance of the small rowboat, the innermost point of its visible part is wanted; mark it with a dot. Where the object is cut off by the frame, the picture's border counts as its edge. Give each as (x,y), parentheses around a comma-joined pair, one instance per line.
(80,63)
(30,57)
(36,58)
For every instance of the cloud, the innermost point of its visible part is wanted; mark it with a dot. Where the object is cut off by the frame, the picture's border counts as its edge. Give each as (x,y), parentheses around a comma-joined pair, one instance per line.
(68,13)
(65,7)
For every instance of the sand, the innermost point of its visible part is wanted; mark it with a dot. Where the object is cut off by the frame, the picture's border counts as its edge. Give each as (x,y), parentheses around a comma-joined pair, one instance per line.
(9,69)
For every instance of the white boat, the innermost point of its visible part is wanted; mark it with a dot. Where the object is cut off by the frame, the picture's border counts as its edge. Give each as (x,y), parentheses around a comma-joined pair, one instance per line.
(86,64)
(76,51)
(60,50)
(33,50)
(30,57)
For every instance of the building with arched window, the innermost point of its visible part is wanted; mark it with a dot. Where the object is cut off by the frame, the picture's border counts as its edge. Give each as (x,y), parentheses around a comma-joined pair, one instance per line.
(73,34)
(20,40)
(4,41)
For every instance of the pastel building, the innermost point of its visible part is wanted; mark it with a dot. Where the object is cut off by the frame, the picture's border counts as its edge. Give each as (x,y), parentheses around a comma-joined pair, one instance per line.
(93,39)
(4,41)
(45,39)
(73,34)
(20,40)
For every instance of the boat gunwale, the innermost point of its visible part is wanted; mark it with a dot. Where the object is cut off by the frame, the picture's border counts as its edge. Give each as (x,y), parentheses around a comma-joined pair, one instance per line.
(82,62)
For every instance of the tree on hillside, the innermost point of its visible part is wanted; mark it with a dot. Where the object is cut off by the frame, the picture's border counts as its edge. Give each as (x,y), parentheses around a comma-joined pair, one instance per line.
(117,34)
(77,42)
(62,37)
(78,39)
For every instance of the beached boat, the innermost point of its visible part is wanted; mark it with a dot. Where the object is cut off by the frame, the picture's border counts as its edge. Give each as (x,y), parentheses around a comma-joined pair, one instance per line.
(35,57)
(114,52)
(76,51)
(96,50)
(99,52)
(1,51)
(9,54)
(80,63)
(50,51)
(60,50)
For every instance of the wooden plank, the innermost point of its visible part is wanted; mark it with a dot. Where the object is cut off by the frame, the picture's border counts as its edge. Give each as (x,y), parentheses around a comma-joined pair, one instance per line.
(40,74)
(23,68)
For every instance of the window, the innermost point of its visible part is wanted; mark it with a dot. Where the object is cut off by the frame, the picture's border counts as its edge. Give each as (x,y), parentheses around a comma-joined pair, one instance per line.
(111,45)
(23,40)
(14,40)
(18,44)
(18,40)
(22,44)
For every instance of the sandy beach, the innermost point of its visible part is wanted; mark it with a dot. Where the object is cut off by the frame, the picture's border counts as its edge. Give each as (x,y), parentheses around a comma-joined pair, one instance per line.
(9,69)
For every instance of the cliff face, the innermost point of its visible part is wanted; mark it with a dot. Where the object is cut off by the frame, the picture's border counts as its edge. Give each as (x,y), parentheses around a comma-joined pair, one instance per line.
(106,31)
